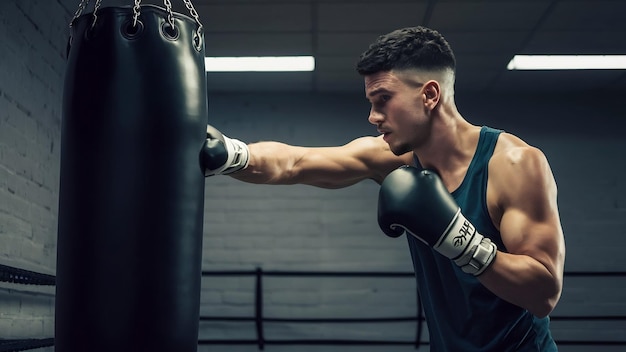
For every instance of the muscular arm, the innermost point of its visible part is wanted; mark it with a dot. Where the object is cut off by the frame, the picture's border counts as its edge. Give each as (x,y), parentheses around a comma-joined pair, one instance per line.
(530,275)
(326,167)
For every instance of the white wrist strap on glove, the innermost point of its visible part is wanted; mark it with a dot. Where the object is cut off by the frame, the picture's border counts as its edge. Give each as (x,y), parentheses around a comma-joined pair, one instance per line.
(238,156)
(478,257)
(467,247)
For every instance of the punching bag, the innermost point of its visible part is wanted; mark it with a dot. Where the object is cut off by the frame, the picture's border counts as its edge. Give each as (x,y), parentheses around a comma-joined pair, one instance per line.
(131,189)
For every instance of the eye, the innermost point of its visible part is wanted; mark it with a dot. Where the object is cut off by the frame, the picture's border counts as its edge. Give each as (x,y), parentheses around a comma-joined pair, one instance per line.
(381,100)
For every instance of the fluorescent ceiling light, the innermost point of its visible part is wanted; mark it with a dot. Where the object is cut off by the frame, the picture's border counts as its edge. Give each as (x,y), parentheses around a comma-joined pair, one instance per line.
(260,64)
(567,62)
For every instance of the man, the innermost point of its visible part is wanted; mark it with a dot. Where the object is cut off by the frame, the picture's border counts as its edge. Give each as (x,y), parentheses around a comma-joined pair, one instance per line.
(494,296)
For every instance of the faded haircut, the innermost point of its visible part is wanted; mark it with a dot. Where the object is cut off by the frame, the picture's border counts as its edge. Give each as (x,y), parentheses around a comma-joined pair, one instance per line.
(418,48)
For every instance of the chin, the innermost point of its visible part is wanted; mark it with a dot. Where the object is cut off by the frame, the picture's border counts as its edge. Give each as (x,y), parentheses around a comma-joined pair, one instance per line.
(400,149)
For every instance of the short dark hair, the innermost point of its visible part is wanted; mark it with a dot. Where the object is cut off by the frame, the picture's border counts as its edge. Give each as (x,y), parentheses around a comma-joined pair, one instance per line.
(412,47)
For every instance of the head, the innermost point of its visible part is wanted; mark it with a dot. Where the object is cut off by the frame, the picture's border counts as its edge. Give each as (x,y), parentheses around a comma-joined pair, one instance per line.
(408,74)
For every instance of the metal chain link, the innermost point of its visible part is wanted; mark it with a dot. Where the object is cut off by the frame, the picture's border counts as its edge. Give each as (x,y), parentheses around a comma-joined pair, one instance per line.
(136,10)
(170,14)
(95,12)
(193,12)
(79,11)
(195,16)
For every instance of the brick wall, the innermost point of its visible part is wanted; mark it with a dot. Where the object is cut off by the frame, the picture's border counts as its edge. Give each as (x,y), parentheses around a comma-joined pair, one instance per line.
(32,49)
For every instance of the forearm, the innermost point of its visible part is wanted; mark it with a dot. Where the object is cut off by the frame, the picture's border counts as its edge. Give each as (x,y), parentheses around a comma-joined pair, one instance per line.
(523,281)
(271,163)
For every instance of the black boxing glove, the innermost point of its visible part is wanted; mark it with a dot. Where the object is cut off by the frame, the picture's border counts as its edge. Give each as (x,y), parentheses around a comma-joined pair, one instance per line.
(417,201)
(221,155)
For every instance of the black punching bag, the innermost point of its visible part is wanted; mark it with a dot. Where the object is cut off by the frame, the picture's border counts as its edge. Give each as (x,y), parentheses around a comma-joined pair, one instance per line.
(131,188)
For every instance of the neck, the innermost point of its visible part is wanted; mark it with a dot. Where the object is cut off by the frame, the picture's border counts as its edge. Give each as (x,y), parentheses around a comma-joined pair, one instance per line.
(452,141)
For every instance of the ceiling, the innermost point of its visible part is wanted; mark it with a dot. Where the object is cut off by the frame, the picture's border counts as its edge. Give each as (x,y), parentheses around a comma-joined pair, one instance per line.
(485,34)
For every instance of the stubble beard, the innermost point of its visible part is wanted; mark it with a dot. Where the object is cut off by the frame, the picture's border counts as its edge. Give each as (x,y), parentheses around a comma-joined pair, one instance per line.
(400,149)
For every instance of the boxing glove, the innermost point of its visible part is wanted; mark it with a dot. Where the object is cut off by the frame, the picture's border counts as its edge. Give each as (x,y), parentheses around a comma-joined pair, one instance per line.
(221,155)
(416,201)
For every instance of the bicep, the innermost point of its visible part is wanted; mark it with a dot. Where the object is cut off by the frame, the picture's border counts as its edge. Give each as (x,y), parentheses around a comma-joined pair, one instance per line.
(530,223)
(539,239)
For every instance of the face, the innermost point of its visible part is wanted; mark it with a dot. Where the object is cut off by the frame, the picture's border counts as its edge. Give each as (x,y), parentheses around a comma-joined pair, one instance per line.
(398,110)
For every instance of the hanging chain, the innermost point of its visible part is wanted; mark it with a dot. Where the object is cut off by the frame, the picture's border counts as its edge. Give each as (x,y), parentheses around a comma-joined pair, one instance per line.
(136,12)
(79,11)
(136,9)
(195,16)
(95,12)
(170,14)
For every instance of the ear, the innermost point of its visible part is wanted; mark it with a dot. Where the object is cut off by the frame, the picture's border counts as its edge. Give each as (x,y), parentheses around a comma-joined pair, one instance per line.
(432,94)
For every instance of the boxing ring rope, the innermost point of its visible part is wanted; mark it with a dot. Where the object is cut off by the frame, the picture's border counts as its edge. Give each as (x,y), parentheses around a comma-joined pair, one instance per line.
(25,344)
(25,277)
(259,319)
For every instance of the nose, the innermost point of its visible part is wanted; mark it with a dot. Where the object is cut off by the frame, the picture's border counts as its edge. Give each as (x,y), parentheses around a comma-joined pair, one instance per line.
(375,117)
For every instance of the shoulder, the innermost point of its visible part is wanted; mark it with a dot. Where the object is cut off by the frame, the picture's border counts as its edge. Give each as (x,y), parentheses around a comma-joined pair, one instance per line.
(376,155)
(512,153)
(518,171)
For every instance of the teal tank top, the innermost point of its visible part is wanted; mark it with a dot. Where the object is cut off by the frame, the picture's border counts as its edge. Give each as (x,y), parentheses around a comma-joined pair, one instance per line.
(461,314)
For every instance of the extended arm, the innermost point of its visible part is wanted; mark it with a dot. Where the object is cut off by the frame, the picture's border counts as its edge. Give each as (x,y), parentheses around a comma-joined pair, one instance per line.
(281,164)
(327,167)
